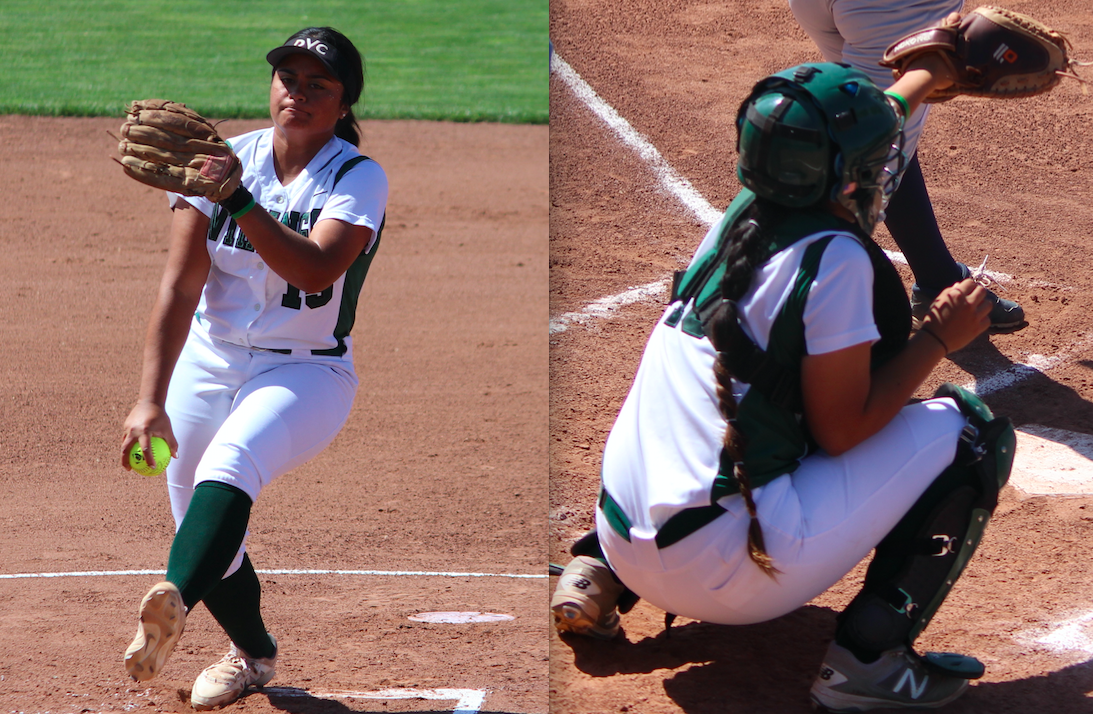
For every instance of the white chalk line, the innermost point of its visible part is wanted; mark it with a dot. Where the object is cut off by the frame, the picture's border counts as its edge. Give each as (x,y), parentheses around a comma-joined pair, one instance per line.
(426,573)
(468,701)
(607,305)
(1020,371)
(1074,634)
(676,185)
(667,177)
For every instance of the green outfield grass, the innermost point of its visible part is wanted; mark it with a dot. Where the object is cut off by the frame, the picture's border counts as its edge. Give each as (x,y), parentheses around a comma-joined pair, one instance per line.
(462,60)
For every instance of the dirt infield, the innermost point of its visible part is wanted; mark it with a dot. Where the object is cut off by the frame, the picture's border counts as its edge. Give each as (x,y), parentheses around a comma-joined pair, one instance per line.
(1009,180)
(441,467)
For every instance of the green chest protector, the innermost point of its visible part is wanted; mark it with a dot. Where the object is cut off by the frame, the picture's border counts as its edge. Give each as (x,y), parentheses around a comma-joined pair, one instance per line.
(770,414)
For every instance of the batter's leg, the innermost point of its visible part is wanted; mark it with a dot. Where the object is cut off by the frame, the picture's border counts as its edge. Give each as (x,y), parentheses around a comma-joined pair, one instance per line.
(911,221)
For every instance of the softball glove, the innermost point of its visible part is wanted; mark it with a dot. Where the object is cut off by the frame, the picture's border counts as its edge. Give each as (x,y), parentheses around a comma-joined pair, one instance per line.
(167,145)
(990,52)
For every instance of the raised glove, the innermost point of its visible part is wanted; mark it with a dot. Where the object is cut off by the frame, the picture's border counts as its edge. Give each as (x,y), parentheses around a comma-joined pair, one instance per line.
(991,52)
(167,145)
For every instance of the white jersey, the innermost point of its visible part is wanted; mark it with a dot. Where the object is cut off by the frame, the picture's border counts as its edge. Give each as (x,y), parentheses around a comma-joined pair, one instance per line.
(663,453)
(245,303)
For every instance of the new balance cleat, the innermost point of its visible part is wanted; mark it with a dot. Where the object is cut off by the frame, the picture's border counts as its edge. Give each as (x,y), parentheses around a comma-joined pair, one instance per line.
(224,682)
(585,599)
(162,619)
(900,679)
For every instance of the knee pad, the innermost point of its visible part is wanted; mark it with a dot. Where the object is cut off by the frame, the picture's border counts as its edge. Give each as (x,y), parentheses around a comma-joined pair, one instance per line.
(988,442)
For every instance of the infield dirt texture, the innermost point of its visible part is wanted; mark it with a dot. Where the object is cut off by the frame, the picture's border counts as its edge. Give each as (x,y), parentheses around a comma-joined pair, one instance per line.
(440,468)
(1009,179)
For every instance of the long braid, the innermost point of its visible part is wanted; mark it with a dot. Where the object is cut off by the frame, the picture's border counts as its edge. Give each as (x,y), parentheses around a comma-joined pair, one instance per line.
(745,251)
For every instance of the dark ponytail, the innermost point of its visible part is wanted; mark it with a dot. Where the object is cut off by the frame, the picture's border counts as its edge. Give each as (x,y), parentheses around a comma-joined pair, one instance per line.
(348,129)
(745,248)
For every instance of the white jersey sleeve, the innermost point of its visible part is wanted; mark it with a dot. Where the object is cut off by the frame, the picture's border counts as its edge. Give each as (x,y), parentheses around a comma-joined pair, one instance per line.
(839,310)
(360,198)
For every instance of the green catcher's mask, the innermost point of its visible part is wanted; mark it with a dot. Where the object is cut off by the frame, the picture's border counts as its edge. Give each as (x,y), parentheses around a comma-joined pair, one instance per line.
(818,132)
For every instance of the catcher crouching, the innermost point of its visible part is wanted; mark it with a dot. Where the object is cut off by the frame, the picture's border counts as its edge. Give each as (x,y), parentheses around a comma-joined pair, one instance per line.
(769,442)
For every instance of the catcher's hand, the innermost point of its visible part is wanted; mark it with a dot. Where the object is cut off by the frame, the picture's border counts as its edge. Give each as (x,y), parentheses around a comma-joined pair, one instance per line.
(990,52)
(167,145)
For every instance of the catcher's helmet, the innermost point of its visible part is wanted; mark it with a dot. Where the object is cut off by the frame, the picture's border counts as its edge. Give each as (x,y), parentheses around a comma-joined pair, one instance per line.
(819,132)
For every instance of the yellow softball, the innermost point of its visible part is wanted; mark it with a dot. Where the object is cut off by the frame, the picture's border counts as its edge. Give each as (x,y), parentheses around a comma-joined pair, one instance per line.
(160,452)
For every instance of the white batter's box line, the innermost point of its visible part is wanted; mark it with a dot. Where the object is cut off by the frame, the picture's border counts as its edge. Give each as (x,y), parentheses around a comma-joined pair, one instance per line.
(606,306)
(1050,286)
(430,573)
(1000,278)
(1019,372)
(468,701)
(670,181)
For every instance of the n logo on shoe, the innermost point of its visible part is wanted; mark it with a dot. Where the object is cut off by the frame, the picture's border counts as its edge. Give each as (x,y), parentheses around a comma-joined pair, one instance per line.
(914,688)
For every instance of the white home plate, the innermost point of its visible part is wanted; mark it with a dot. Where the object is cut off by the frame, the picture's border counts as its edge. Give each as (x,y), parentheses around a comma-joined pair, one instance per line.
(460,617)
(1053,461)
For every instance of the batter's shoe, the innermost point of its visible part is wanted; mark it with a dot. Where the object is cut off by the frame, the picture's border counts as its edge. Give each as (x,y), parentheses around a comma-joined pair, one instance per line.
(585,599)
(900,679)
(224,682)
(1006,315)
(162,619)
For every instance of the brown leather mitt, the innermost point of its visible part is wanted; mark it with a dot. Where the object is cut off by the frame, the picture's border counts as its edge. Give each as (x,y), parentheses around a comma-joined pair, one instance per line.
(167,145)
(991,52)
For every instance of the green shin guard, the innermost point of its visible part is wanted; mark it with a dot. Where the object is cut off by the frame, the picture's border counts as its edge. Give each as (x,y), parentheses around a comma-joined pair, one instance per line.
(236,603)
(917,564)
(208,539)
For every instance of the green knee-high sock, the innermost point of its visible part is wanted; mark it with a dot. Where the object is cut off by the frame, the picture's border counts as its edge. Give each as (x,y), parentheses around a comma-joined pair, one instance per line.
(208,539)
(236,605)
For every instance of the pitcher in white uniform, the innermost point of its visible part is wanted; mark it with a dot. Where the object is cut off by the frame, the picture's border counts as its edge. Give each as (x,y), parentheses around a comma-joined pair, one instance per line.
(767,445)
(248,362)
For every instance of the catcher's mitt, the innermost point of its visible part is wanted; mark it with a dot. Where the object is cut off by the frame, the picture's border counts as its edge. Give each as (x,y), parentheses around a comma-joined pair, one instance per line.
(167,145)
(991,52)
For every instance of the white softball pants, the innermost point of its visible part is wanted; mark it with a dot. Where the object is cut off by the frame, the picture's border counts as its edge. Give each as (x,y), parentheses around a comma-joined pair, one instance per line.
(818,523)
(858,32)
(245,417)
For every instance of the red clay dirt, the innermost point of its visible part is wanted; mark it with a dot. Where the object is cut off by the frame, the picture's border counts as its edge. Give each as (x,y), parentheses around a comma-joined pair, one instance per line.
(441,467)
(1008,179)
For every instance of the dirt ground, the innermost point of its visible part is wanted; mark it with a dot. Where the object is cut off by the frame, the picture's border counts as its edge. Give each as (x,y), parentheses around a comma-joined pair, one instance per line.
(441,467)
(1008,180)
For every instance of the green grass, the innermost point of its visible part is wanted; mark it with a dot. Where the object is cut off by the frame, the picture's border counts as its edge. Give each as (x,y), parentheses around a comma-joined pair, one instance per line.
(461,60)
